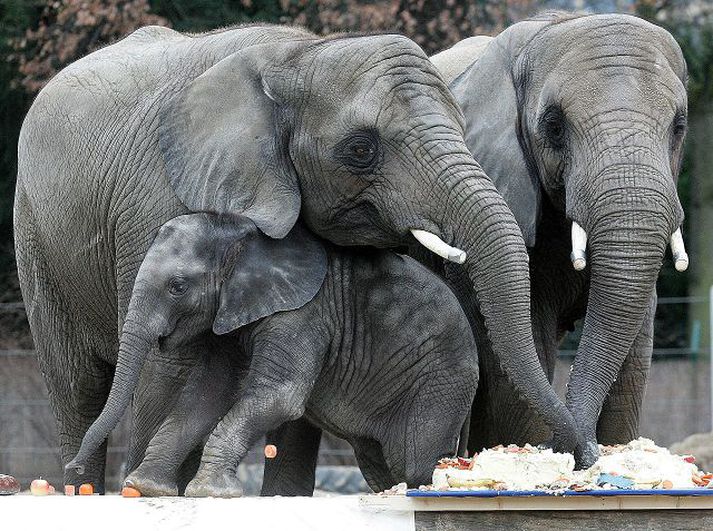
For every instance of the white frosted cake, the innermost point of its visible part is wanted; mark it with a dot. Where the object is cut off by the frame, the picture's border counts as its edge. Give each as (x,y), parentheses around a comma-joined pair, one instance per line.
(639,464)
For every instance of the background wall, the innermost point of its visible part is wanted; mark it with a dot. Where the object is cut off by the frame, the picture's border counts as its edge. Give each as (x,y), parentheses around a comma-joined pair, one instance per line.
(39,37)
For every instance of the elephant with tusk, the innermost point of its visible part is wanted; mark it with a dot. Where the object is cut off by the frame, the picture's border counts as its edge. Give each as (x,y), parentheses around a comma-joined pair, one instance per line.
(580,122)
(358,136)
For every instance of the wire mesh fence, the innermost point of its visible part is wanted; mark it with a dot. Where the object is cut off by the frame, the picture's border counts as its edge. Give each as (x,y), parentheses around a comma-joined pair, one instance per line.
(677,402)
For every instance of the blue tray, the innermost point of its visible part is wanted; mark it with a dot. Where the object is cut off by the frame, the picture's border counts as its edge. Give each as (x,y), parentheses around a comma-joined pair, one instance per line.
(415,493)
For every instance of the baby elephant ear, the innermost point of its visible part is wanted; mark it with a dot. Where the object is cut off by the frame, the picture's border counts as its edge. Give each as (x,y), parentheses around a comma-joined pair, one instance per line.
(223,145)
(264,276)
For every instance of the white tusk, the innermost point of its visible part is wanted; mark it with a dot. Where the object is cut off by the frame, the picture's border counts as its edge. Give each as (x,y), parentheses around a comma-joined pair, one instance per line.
(434,244)
(579,247)
(678,250)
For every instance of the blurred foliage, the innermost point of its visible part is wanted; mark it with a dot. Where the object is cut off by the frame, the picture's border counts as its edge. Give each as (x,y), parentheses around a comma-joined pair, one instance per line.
(434,25)
(70,29)
(15,15)
(691,23)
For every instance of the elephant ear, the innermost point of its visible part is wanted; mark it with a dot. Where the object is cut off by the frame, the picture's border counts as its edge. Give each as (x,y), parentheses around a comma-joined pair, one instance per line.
(223,146)
(490,96)
(263,276)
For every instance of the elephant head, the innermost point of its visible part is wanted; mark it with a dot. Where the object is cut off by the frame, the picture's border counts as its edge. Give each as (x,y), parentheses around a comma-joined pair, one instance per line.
(361,138)
(204,272)
(585,116)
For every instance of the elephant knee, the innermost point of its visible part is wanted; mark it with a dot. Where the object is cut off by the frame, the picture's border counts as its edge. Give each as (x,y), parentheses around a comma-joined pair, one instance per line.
(290,408)
(286,403)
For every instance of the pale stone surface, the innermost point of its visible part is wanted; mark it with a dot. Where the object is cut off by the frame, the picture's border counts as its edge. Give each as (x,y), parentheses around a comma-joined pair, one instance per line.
(113,512)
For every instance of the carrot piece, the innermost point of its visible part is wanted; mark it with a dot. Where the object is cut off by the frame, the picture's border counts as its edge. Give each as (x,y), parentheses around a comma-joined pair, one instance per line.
(130,492)
(86,489)
(270,451)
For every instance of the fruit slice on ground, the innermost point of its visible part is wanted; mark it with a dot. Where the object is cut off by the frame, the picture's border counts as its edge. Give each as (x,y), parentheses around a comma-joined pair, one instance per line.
(86,489)
(39,487)
(70,490)
(130,492)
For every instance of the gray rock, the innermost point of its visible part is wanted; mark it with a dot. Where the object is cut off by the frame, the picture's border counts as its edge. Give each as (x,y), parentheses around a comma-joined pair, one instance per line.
(700,446)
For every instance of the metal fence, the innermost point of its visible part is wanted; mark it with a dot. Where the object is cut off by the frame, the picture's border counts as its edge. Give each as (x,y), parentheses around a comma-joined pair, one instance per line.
(677,404)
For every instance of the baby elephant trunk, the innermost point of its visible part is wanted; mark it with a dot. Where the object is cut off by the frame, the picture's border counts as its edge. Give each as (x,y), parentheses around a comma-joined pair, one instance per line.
(136,342)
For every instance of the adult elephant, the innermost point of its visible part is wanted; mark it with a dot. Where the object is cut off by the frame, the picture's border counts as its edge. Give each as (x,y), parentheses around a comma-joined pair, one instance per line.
(580,121)
(357,135)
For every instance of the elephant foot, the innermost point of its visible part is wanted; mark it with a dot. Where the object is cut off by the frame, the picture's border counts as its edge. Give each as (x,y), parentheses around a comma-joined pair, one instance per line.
(216,485)
(150,484)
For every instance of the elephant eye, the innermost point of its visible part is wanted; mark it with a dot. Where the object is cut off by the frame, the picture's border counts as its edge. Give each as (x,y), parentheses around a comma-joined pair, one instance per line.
(680,126)
(177,286)
(553,127)
(359,152)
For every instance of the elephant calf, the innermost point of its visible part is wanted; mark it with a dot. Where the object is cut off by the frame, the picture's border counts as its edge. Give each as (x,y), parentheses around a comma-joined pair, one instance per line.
(372,347)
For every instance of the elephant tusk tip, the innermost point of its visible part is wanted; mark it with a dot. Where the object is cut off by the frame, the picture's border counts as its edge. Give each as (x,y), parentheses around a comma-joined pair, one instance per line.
(681,263)
(579,260)
(457,256)
(678,250)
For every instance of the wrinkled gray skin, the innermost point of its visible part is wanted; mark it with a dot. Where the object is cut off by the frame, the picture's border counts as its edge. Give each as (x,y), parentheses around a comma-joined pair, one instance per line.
(579,119)
(382,355)
(357,135)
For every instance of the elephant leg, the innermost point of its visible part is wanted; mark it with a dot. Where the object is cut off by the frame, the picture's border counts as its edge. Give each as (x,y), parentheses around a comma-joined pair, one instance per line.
(282,373)
(72,352)
(292,471)
(208,394)
(163,377)
(370,457)
(619,419)
(76,400)
(189,468)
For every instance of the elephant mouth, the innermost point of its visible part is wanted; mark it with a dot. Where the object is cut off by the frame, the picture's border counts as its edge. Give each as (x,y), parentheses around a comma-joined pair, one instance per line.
(360,224)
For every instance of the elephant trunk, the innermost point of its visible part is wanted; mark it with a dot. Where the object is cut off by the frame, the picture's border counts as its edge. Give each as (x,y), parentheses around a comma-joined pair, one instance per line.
(626,243)
(497,264)
(134,347)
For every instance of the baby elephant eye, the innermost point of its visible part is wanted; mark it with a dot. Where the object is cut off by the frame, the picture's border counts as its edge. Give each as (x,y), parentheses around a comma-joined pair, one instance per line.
(177,286)
(359,152)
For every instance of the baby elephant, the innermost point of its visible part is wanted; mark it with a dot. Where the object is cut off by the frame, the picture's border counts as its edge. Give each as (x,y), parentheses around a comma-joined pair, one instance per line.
(370,346)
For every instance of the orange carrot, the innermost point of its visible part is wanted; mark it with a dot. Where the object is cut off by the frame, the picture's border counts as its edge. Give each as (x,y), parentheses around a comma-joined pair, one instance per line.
(130,492)
(270,451)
